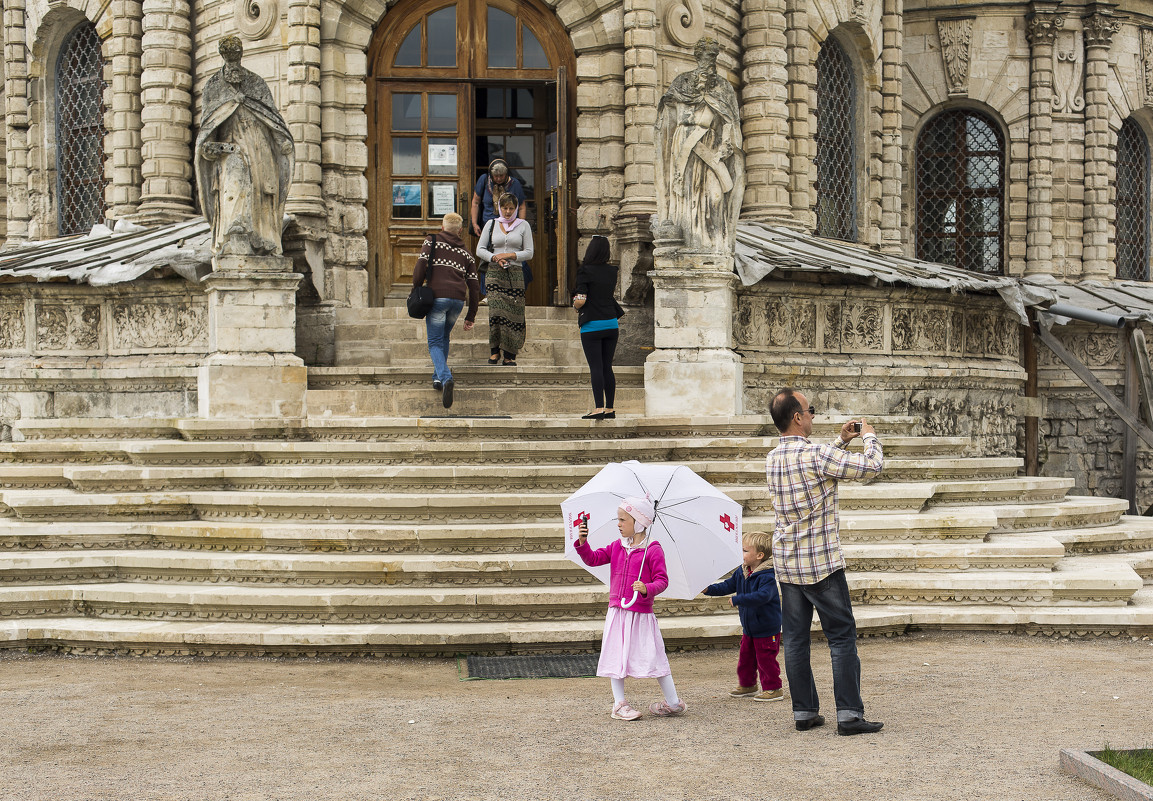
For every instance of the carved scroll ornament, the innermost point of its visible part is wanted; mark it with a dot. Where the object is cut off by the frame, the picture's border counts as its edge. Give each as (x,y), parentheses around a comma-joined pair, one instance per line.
(1068,71)
(255,18)
(685,22)
(955,36)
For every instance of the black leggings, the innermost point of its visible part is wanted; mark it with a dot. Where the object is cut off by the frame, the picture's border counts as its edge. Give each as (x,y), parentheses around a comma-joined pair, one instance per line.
(599,347)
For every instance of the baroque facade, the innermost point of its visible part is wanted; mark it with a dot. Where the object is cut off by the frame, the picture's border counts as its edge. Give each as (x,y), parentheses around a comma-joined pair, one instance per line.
(1008,140)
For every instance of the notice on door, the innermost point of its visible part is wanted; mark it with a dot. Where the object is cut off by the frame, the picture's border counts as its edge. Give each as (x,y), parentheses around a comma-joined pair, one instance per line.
(443,199)
(442,155)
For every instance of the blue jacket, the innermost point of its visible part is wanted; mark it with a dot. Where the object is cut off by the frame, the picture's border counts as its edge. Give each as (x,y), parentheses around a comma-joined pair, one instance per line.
(756,599)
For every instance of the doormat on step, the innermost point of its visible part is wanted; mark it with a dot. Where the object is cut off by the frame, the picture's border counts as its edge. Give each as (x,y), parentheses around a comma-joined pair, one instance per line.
(537,666)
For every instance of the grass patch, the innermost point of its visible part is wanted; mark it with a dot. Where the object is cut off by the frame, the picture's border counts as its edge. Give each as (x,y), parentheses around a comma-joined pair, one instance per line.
(1137,763)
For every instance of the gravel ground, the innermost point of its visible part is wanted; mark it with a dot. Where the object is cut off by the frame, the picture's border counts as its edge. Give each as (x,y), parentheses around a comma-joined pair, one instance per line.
(967,716)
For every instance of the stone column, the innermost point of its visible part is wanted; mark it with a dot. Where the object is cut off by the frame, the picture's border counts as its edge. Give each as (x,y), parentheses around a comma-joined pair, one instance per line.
(302,109)
(252,370)
(123,120)
(801,82)
(642,91)
(764,102)
(16,121)
(166,116)
(1098,249)
(1041,29)
(693,369)
(892,168)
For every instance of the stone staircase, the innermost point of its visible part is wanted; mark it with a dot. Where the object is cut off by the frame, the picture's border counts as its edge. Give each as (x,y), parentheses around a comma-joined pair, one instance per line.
(442,535)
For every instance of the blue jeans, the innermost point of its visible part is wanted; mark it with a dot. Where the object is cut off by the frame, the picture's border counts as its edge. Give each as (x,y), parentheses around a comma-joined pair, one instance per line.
(438,325)
(830,597)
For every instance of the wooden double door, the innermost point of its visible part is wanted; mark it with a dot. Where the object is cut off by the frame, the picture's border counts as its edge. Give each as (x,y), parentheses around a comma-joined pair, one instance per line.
(441,109)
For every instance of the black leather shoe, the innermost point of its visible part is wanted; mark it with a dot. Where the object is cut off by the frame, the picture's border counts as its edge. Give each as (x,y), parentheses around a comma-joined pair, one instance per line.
(609,416)
(594,416)
(858,726)
(446,394)
(437,386)
(810,723)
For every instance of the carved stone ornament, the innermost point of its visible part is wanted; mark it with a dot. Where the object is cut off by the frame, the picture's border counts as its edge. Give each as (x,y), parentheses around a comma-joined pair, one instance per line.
(255,18)
(1147,64)
(685,22)
(1099,29)
(12,326)
(1068,73)
(1042,28)
(955,36)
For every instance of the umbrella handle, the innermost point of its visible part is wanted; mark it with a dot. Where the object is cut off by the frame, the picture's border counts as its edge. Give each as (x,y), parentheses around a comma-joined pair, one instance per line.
(628,604)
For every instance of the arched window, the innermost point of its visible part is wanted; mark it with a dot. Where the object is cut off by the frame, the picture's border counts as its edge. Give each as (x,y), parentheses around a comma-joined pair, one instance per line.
(960,191)
(80,131)
(1132,203)
(836,144)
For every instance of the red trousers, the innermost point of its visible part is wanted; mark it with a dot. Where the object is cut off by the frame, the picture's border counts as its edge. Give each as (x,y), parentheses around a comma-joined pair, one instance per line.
(759,655)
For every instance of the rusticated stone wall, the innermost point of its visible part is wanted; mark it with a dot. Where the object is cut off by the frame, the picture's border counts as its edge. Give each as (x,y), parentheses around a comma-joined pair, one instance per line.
(950,363)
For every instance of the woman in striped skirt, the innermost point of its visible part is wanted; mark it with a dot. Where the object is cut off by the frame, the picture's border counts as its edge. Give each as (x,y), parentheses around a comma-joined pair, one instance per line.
(506,243)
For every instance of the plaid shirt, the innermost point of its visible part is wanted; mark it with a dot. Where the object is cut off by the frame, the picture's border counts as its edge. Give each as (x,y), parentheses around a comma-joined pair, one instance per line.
(803,485)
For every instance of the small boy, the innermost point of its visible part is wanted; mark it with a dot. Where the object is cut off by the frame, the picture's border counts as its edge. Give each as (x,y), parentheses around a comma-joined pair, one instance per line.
(753,586)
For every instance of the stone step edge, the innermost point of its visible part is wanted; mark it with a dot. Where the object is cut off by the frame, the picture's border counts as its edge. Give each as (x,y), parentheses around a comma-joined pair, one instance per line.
(108,637)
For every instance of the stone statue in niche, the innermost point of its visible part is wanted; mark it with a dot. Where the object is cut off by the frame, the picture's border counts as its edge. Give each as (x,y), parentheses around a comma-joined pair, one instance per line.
(244,160)
(701,164)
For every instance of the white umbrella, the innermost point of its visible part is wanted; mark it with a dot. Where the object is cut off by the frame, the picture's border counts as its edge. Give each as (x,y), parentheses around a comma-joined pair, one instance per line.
(697,525)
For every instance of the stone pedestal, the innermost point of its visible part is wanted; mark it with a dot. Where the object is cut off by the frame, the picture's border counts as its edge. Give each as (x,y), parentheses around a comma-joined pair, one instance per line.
(693,369)
(252,370)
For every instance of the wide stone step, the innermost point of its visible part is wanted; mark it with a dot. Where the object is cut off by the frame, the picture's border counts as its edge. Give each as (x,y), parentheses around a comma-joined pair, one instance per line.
(499,475)
(1072,582)
(1132,533)
(232,602)
(1000,552)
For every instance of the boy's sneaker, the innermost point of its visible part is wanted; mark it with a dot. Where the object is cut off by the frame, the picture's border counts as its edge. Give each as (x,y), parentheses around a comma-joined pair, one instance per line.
(623,711)
(743,692)
(662,710)
(770,695)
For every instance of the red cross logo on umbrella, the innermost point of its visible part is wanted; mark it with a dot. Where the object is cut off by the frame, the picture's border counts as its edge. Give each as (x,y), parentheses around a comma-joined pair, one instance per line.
(727,522)
(583,517)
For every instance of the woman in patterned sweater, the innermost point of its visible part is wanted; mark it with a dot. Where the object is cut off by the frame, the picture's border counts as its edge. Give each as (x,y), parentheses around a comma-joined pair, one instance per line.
(506,243)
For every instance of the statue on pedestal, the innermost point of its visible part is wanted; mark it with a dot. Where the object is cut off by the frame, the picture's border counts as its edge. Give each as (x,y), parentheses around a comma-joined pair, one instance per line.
(244,159)
(701,164)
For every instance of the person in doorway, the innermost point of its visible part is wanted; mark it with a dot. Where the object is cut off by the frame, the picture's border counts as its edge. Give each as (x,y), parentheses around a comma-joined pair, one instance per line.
(486,198)
(807,556)
(506,243)
(451,272)
(597,315)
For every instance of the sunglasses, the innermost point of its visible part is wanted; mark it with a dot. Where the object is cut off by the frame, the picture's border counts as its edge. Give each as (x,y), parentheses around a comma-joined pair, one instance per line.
(811,410)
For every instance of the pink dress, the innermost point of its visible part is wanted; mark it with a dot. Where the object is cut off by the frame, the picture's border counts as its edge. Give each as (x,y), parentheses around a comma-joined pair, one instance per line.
(632,644)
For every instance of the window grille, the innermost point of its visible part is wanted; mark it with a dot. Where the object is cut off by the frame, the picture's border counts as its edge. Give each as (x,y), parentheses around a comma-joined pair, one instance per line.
(836,144)
(1132,203)
(960,191)
(80,131)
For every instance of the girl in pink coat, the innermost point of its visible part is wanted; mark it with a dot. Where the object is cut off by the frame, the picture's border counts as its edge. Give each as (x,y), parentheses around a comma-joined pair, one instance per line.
(632,644)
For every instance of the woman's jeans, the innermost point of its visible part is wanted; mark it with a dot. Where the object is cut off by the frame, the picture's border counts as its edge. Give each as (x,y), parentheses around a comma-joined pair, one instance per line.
(599,348)
(830,597)
(438,325)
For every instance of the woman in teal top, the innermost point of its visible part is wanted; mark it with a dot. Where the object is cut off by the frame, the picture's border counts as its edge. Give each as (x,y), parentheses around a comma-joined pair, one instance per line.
(598,312)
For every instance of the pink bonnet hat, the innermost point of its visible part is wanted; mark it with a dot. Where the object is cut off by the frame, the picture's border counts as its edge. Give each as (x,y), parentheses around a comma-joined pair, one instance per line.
(640,510)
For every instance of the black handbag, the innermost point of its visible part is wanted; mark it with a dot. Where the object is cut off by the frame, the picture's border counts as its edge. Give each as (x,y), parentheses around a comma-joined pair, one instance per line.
(421,298)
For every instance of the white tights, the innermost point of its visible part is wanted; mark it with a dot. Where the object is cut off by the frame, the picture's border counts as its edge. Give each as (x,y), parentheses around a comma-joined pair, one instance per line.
(667,688)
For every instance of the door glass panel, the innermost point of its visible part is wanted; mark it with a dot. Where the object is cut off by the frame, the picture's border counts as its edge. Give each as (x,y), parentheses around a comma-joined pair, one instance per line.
(534,57)
(442,156)
(442,112)
(501,39)
(405,112)
(408,54)
(442,38)
(406,156)
(522,104)
(405,200)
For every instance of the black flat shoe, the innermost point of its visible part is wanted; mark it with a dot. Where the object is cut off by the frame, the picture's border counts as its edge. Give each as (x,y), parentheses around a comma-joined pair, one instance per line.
(494,360)
(810,723)
(609,416)
(858,726)
(594,416)
(509,362)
